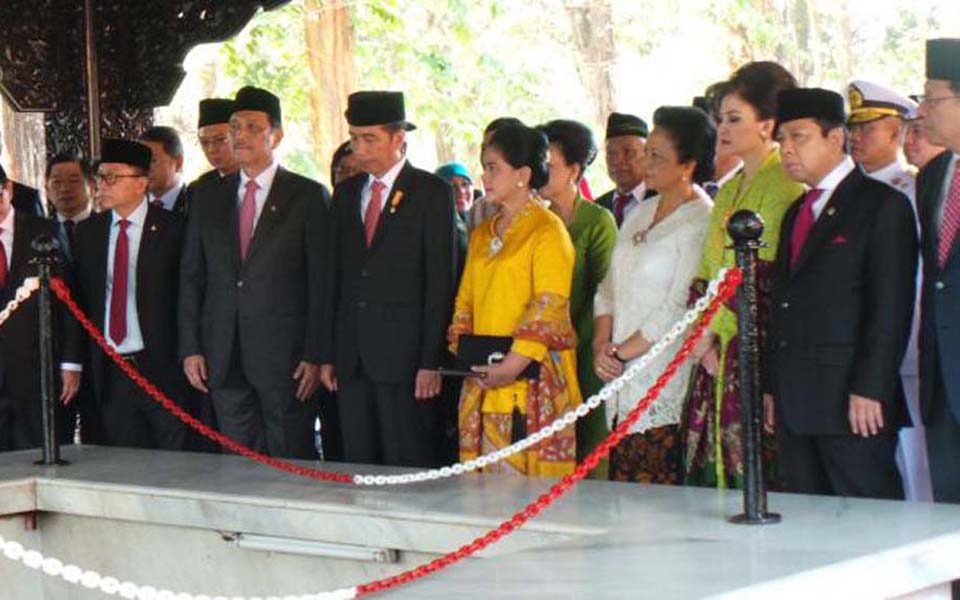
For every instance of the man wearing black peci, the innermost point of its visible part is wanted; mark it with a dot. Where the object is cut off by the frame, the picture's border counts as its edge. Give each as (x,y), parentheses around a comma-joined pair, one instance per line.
(625,140)
(127,261)
(252,289)
(841,311)
(393,271)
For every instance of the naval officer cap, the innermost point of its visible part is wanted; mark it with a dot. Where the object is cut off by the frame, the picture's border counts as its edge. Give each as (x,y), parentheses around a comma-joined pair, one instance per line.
(214,111)
(370,108)
(943,59)
(869,102)
(128,152)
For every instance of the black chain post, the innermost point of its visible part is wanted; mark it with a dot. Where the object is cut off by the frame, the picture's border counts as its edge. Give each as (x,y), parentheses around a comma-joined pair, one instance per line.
(746,227)
(46,248)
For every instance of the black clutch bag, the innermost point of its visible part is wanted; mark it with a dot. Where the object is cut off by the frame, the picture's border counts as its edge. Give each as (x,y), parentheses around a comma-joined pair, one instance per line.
(484,350)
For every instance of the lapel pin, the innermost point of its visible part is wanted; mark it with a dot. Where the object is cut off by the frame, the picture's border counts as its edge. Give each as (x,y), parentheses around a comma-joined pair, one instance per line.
(831,211)
(273,208)
(395,201)
(153,228)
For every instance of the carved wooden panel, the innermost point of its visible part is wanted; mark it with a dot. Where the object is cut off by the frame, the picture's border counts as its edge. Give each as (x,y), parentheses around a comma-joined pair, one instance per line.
(141,47)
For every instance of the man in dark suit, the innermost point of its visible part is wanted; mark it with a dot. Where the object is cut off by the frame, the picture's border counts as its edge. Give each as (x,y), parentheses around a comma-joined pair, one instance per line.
(626,138)
(165,178)
(213,133)
(70,188)
(938,203)
(20,407)
(393,270)
(841,311)
(252,290)
(127,262)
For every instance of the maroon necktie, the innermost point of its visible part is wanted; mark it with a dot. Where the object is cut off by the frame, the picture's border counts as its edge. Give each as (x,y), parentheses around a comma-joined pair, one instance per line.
(248,214)
(950,221)
(372,215)
(619,206)
(803,224)
(118,292)
(3,264)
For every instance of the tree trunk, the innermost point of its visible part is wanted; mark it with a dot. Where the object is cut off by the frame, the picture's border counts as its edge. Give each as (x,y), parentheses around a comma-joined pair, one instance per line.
(592,25)
(329,41)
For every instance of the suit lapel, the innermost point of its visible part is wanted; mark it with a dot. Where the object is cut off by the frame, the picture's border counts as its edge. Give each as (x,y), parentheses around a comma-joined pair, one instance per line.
(98,259)
(21,254)
(395,202)
(145,257)
(272,208)
(828,218)
(229,213)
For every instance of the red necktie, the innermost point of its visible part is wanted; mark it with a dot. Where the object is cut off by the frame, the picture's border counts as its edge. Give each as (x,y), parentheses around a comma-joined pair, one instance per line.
(950,222)
(248,214)
(620,206)
(118,292)
(372,215)
(803,224)
(3,264)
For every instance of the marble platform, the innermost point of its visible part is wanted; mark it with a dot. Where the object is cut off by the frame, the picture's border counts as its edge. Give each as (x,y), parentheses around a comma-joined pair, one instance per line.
(168,520)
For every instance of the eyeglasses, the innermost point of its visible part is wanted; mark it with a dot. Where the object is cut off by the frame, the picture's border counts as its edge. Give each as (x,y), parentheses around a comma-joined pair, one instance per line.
(111,178)
(213,142)
(927,99)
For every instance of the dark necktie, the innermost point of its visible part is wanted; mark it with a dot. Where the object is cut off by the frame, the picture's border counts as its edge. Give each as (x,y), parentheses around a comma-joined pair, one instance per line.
(620,206)
(118,293)
(374,207)
(69,227)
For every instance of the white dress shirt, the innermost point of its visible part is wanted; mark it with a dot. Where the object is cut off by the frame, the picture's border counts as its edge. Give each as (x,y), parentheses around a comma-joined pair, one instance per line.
(264,183)
(646,290)
(80,216)
(133,342)
(388,179)
(169,199)
(829,183)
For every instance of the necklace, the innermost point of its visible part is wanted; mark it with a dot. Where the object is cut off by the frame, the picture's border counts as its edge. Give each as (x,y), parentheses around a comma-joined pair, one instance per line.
(640,237)
(496,241)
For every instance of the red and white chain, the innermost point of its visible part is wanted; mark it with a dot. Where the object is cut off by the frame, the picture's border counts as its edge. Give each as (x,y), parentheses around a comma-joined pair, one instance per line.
(30,285)
(606,393)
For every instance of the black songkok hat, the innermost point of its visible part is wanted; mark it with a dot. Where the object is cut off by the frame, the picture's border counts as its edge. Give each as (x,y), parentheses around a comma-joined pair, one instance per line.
(215,110)
(127,152)
(254,98)
(377,108)
(943,59)
(620,124)
(810,103)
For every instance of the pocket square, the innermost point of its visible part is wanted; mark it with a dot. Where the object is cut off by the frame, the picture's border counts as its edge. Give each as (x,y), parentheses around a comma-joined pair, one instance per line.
(840,239)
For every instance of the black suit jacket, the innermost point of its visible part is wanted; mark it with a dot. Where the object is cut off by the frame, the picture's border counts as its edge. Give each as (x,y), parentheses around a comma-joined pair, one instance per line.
(940,296)
(392,302)
(271,304)
(841,317)
(158,272)
(19,336)
(27,200)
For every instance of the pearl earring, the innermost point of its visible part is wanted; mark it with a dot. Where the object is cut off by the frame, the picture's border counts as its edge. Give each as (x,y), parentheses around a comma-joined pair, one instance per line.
(519,184)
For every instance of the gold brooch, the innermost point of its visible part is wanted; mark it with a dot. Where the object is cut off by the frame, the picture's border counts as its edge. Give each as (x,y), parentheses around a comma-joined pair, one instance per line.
(640,237)
(395,201)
